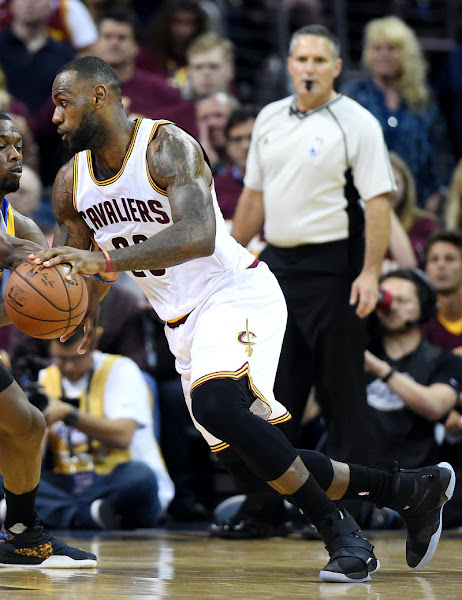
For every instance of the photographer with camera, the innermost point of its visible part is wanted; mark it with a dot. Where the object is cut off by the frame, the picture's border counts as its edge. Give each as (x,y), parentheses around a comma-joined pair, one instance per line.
(412,384)
(106,467)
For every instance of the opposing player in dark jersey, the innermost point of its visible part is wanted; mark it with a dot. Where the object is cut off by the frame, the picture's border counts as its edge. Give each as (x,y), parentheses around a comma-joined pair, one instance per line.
(232,406)
(23,541)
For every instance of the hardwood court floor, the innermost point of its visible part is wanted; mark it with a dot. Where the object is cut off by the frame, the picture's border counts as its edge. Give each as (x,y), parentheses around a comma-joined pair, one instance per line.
(189,566)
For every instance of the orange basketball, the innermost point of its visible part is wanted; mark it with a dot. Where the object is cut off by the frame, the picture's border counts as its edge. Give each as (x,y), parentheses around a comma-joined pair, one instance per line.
(42,303)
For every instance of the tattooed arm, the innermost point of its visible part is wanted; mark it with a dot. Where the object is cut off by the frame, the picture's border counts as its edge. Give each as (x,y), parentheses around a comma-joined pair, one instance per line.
(176,163)
(71,229)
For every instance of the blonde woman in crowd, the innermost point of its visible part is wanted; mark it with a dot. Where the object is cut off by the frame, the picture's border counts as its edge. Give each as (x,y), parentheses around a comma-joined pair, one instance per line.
(397,93)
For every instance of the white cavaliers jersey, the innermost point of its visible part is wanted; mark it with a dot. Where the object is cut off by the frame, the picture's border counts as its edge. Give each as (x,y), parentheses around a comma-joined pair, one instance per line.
(129,207)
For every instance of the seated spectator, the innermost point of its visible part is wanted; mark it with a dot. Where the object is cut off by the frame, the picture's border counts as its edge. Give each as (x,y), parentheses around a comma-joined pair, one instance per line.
(412,384)
(28,55)
(212,114)
(444,269)
(68,22)
(169,35)
(397,94)
(229,184)
(453,209)
(107,470)
(210,61)
(143,93)
(416,222)
(238,132)
(210,70)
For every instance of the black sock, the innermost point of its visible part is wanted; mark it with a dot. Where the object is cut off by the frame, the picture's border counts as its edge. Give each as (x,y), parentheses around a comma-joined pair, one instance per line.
(20,508)
(370,484)
(314,503)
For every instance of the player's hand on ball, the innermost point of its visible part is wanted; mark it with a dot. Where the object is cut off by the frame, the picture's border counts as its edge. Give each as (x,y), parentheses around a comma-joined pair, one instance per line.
(83,261)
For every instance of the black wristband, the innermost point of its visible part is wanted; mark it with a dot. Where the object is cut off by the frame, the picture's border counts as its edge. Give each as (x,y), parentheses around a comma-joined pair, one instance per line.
(391,372)
(71,418)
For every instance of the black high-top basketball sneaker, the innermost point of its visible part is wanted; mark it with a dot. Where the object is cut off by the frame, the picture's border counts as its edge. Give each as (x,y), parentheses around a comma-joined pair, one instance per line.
(352,556)
(36,547)
(419,496)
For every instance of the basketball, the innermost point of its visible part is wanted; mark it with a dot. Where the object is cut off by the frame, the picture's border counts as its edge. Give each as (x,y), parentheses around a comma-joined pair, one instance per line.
(42,303)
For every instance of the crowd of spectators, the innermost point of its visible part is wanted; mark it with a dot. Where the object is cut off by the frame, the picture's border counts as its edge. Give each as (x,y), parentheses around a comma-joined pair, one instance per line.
(196,63)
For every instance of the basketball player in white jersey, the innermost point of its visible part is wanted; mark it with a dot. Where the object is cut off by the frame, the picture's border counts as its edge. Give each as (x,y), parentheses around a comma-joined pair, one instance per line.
(23,541)
(144,192)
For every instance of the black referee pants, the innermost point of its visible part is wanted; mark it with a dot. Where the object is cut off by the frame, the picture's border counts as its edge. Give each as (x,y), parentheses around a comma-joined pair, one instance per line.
(324,343)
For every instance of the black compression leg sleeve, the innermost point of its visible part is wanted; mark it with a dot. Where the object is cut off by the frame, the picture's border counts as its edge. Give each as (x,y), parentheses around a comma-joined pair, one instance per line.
(222,407)
(319,465)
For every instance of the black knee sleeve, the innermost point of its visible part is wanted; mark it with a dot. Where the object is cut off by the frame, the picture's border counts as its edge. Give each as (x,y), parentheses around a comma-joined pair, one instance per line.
(222,407)
(218,405)
(319,465)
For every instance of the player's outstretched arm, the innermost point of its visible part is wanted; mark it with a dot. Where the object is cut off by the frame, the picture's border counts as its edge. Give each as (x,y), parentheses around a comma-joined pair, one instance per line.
(177,164)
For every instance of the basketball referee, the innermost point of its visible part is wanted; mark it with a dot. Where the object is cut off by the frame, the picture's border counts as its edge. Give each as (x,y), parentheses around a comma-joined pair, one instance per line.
(317,178)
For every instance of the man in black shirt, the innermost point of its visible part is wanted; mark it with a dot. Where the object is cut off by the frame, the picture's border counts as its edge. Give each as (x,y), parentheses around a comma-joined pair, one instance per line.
(412,384)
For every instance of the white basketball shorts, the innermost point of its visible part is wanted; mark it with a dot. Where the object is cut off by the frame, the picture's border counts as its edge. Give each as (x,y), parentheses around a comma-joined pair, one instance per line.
(237,332)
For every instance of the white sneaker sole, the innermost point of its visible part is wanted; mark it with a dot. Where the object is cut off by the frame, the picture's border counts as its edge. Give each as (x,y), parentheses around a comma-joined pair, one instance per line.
(331,577)
(56,562)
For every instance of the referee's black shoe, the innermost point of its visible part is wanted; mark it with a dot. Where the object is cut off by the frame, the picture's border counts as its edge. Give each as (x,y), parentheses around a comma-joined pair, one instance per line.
(252,517)
(419,496)
(352,557)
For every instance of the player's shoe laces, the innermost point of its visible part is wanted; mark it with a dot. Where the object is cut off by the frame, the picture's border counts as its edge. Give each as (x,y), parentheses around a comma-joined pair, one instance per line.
(352,556)
(422,510)
(36,547)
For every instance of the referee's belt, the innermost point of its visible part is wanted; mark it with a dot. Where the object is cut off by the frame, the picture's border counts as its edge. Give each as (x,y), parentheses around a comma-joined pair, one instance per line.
(177,322)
